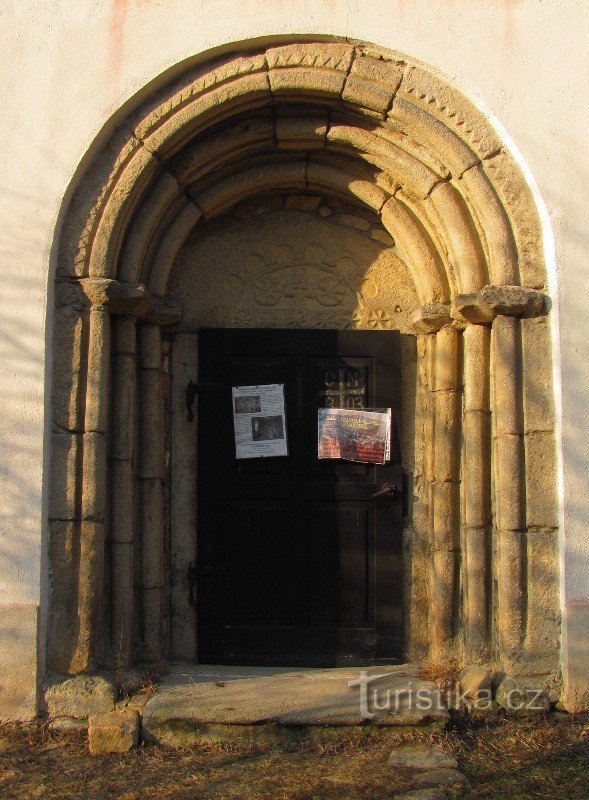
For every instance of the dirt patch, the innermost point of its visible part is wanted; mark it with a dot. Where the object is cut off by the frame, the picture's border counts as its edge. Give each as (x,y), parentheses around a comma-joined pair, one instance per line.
(536,760)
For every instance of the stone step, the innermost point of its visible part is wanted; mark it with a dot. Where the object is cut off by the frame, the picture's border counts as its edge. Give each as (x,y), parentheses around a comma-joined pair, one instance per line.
(207,702)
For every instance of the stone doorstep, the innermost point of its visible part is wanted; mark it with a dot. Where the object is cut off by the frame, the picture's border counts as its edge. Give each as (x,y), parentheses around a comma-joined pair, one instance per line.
(196,702)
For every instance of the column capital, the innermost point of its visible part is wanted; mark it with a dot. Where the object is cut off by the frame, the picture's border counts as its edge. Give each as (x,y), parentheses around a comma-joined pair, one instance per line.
(481,308)
(430,318)
(129,299)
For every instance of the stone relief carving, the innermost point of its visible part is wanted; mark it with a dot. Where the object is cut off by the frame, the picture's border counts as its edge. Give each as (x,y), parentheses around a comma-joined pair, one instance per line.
(297,271)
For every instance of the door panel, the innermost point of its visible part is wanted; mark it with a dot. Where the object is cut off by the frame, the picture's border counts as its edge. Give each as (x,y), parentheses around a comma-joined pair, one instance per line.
(297,562)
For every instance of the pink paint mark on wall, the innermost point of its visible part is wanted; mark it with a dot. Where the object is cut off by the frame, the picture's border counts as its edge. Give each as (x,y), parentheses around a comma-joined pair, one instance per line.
(117,37)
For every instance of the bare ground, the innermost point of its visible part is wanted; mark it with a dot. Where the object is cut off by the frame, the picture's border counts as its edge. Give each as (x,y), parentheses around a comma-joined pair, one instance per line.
(547,757)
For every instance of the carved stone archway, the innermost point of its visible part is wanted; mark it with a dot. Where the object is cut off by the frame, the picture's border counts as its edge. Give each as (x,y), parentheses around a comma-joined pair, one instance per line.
(374,128)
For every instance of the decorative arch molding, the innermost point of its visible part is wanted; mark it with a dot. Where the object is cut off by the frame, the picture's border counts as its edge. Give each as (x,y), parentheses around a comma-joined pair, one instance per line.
(377,129)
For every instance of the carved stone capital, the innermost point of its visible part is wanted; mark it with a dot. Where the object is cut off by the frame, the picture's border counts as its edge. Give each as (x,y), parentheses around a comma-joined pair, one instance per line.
(515,301)
(430,318)
(471,308)
(131,299)
(163,314)
(481,308)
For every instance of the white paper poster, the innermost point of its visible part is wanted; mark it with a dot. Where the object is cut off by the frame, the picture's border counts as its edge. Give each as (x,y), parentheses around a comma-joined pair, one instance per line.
(260,421)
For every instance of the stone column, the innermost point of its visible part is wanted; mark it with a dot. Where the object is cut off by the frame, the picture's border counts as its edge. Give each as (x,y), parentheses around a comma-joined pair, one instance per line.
(509,481)
(122,486)
(152,475)
(93,487)
(446,486)
(441,429)
(476,486)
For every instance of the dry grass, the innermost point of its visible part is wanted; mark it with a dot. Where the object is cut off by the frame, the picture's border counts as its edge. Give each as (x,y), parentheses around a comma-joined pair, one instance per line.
(443,673)
(524,760)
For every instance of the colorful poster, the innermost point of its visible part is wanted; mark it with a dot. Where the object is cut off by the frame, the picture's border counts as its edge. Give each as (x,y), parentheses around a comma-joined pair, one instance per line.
(259,421)
(352,435)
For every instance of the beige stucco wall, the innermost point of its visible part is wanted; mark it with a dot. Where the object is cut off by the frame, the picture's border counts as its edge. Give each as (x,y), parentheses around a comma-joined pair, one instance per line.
(72,66)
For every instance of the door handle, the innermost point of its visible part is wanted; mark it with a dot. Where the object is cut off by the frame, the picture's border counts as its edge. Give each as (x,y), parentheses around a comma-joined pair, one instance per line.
(388,490)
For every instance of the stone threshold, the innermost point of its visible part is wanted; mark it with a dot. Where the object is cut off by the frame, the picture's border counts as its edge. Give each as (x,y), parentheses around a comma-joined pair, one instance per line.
(207,702)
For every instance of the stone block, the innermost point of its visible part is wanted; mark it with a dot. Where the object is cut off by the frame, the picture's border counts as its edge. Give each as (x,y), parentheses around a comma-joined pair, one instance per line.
(541,498)
(543,585)
(430,318)
(124,335)
(421,256)
(477,343)
(301,132)
(446,366)
(67,725)
(524,695)
(18,661)
(442,586)
(430,92)
(123,401)
(507,377)
(445,444)
(509,483)
(93,476)
(474,680)
(302,202)
(537,375)
(421,757)
(372,83)
(576,664)
(510,589)
(171,122)
(67,390)
(445,516)
(472,308)
(80,696)
(89,597)
(502,256)
(454,153)
(65,468)
(352,221)
(223,195)
(458,236)
(476,479)
(97,379)
(256,207)
(114,732)
(289,82)
(151,346)
(152,449)
(509,183)
(63,579)
(383,237)
(477,557)
(326,176)
(151,600)
(122,603)
(152,532)
(122,483)
(514,301)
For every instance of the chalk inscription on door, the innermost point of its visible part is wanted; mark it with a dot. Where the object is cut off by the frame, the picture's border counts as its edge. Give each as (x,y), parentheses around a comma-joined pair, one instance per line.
(343,387)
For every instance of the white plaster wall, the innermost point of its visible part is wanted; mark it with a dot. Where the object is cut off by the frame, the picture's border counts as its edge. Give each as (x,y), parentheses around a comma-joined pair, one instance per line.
(70,66)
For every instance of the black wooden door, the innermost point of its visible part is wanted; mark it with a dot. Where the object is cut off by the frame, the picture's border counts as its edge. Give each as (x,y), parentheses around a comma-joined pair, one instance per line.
(297,562)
